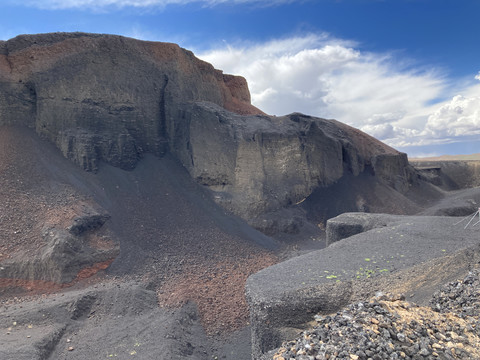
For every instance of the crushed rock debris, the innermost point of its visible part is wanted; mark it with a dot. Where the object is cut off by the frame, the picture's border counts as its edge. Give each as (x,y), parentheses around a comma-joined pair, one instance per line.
(388,327)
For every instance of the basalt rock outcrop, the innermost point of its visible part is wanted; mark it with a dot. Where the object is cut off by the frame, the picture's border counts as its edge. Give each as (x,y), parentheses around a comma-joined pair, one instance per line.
(259,164)
(401,254)
(107,98)
(103,98)
(107,103)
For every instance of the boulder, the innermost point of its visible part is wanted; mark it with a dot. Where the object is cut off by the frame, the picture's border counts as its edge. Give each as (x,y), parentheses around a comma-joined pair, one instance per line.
(349,224)
(89,222)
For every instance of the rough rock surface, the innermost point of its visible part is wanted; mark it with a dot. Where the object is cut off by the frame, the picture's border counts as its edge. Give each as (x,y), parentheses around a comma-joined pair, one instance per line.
(260,164)
(49,229)
(65,251)
(171,234)
(349,224)
(285,296)
(114,99)
(108,103)
(103,97)
(388,327)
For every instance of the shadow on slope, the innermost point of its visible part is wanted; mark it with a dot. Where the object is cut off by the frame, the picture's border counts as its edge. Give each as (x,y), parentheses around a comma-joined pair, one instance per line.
(167,227)
(362,193)
(164,219)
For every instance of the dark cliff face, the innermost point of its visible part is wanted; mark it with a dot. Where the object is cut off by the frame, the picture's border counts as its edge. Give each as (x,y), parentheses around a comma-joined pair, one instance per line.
(259,164)
(104,97)
(110,98)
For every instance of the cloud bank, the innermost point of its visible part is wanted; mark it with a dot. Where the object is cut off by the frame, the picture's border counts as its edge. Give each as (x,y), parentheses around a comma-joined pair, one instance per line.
(459,117)
(394,100)
(102,4)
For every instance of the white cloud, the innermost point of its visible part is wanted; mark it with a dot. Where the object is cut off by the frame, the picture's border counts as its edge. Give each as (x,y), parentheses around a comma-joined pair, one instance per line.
(100,4)
(381,131)
(456,120)
(326,77)
(459,117)
(286,75)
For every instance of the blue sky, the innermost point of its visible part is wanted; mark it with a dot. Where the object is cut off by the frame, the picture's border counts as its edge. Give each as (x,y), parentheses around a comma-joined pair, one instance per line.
(404,71)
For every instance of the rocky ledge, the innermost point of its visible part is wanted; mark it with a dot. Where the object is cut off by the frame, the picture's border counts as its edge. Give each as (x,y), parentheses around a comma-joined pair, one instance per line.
(83,245)
(408,254)
(108,102)
(388,327)
(105,98)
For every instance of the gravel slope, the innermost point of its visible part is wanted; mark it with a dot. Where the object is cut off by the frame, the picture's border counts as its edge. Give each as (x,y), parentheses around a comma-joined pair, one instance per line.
(179,250)
(173,239)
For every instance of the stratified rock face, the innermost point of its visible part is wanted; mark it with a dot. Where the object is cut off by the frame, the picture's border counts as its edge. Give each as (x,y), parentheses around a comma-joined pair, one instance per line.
(110,98)
(259,164)
(104,97)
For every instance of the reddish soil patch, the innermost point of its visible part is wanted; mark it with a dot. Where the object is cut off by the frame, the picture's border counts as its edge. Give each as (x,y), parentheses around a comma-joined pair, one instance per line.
(92,270)
(35,286)
(21,287)
(169,230)
(217,289)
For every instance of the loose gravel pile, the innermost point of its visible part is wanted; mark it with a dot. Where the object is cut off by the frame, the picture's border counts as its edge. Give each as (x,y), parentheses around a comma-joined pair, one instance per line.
(388,327)
(461,297)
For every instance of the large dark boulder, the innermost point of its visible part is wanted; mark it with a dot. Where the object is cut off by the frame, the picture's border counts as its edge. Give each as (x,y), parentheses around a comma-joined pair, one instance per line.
(349,224)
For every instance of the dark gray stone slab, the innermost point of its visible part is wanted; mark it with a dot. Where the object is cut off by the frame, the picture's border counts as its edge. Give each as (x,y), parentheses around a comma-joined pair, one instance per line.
(288,294)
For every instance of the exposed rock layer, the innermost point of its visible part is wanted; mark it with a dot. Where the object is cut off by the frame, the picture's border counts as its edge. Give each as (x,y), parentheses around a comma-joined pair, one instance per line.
(259,164)
(113,99)
(107,97)
(65,252)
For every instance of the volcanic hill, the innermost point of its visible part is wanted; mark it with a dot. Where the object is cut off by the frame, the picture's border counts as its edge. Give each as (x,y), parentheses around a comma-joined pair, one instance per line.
(144,182)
